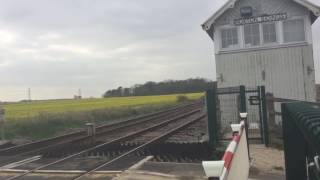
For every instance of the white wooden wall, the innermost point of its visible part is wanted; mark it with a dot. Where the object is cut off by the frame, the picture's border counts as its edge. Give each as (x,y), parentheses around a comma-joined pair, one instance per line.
(288,71)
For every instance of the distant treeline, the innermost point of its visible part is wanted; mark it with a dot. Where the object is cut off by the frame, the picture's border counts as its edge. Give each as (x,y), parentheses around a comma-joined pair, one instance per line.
(164,87)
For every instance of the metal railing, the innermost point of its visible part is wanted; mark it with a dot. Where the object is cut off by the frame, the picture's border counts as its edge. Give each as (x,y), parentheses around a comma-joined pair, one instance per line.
(301,134)
(224,106)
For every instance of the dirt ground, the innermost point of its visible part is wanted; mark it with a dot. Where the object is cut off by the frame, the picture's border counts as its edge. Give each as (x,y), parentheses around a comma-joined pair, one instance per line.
(266,163)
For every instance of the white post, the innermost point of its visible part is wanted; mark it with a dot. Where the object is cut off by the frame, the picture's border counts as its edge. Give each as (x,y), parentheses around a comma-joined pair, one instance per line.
(91,129)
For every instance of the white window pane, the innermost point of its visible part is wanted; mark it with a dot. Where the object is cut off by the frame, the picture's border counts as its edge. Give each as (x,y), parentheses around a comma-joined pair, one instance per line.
(252,34)
(269,33)
(293,30)
(229,37)
(234,36)
(224,38)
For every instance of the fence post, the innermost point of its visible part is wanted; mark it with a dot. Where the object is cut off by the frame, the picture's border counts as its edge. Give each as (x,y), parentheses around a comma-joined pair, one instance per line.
(264,116)
(211,101)
(294,148)
(271,110)
(260,114)
(243,109)
(243,99)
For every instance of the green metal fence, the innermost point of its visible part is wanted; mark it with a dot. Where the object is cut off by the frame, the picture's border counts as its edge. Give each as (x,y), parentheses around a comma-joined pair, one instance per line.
(301,134)
(224,106)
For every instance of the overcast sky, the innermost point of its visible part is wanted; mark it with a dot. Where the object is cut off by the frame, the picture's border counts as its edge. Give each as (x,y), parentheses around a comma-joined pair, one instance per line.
(56,47)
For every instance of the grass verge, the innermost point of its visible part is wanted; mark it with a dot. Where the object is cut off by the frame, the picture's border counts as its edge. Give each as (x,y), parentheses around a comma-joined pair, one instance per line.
(48,124)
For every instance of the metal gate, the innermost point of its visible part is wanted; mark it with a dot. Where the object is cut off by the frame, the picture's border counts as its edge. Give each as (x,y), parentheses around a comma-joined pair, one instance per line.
(228,103)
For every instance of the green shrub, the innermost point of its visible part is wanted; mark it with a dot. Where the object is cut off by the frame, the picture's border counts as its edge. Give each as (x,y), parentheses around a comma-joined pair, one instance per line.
(182,98)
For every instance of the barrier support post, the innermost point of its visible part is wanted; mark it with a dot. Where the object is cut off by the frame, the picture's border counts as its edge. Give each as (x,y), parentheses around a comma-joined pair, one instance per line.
(243,99)
(211,102)
(243,111)
(264,116)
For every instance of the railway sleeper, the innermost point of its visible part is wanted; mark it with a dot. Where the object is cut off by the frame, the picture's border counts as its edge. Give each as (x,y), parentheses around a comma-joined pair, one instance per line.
(163,152)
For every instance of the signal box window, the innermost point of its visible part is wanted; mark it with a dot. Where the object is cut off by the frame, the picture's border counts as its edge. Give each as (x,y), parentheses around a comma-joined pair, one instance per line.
(229,37)
(252,35)
(293,30)
(269,33)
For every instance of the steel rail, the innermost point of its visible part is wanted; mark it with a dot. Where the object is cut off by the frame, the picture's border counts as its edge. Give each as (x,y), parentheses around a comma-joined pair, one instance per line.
(107,143)
(99,134)
(56,139)
(50,140)
(141,147)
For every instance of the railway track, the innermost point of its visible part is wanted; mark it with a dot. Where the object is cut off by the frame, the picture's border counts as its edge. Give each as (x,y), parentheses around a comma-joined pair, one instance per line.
(151,129)
(105,133)
(75,135)
(109,135)
(125,160)
(82,137)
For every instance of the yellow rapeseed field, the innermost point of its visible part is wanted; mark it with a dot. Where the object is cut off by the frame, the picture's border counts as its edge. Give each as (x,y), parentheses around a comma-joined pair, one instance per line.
(31,109)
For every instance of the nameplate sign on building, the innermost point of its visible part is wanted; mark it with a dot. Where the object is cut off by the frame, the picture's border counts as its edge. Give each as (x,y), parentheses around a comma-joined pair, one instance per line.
(261,19)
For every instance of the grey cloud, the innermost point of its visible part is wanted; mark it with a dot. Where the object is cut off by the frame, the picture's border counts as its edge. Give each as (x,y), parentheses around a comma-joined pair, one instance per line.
(58,46)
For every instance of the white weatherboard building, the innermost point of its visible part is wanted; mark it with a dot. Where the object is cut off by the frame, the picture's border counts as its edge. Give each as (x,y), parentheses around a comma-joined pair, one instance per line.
(265,42)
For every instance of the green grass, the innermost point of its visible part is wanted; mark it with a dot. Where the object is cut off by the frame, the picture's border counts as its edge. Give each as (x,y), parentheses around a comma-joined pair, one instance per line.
(43,119)
(33,109)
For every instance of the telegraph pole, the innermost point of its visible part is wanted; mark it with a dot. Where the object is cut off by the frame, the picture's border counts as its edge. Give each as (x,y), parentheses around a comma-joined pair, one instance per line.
(29,94)
(2,121)
(79,93)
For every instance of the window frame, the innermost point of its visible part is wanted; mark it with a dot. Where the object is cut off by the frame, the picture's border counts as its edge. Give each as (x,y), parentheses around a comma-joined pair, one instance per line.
(244,37)
(234,47)
(304,30)
(279,28)
(263,43)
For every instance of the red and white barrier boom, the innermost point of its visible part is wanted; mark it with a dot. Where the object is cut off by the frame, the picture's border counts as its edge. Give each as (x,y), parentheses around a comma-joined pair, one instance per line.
(235,162)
